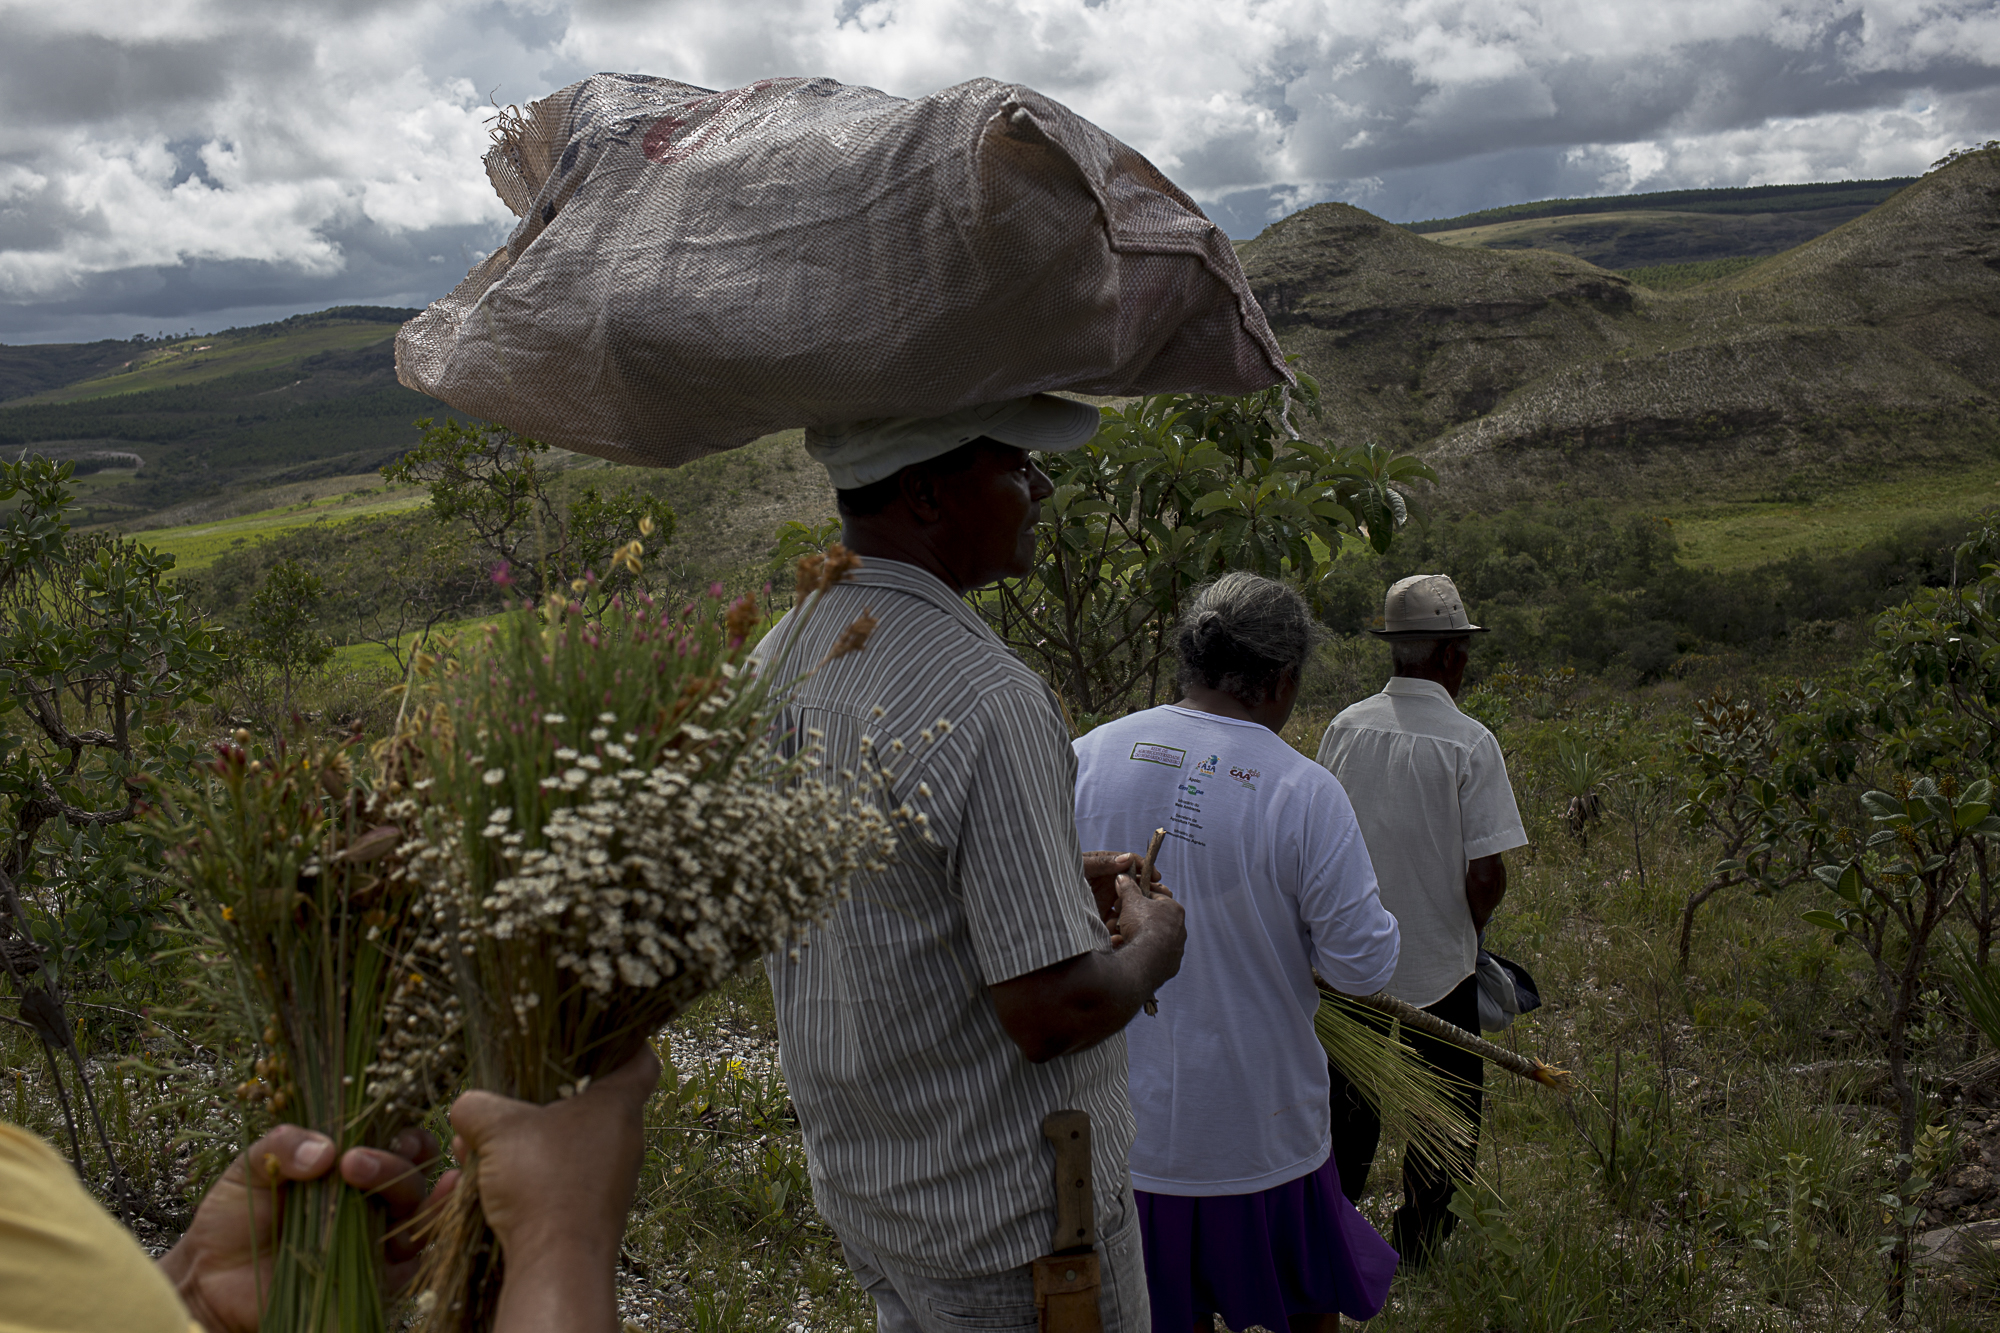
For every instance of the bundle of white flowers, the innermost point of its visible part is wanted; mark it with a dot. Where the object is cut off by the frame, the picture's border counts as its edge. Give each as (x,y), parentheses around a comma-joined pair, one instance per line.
(661,885)
(618,832)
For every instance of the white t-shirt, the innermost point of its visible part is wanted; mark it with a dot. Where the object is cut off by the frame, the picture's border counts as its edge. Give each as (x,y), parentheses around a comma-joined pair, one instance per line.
(1228,1081)
(1430,789)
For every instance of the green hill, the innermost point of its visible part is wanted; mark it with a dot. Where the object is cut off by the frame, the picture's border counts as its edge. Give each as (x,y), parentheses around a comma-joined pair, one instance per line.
(35,367)
(68,372)
(1750,199)
(1674,238)
(1522,372)
(1517,367)
(311,396)
(1650,238)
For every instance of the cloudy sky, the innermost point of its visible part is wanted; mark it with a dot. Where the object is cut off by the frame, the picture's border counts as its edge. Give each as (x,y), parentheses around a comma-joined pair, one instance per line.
(168,165)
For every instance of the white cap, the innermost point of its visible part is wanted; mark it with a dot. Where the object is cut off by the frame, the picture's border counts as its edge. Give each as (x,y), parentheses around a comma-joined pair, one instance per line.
(856,453)
(1424,606)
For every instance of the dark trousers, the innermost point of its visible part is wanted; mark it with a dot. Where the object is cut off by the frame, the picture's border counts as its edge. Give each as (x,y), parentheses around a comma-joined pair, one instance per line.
(1425,1218)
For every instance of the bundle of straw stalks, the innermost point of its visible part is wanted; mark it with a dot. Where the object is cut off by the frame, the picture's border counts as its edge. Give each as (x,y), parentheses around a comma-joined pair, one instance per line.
(619,833)
(1362,1035)
(310,885)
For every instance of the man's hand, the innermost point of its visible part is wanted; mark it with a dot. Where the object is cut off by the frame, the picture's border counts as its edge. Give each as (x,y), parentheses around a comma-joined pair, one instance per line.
(1157,923)
(1072,1005)
(223,1261)
(1102,870)
(1485,886)
(556,1183)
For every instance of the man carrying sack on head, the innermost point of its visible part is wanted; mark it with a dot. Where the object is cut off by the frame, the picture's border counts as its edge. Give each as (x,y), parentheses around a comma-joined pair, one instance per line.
(933,1023)
(1430,791)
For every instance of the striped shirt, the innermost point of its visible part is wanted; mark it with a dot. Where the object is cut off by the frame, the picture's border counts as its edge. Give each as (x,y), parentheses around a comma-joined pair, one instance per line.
(922,1119)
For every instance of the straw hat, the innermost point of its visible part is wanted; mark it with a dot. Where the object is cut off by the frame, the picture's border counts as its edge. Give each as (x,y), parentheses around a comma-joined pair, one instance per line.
(1424,606)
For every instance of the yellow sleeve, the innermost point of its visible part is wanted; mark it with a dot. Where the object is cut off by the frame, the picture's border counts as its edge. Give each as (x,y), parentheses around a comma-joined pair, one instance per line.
(65,1264)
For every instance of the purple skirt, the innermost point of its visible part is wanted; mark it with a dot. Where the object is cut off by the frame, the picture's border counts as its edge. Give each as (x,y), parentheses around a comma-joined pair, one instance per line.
(1296,1248)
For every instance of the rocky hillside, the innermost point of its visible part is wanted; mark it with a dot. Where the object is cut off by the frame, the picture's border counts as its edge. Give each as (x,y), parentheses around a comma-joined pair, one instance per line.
(1521,371)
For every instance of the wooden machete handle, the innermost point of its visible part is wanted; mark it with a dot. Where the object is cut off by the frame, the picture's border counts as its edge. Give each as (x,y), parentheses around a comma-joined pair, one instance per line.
(1076,1211)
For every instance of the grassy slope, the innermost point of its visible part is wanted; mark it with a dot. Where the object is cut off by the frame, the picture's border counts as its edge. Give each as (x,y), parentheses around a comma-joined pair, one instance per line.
(728,506)
(196,545)
(276,412)
(313,396)
(1729,534)
(1649,237)
(1746,200)
(34,367)
(202,360)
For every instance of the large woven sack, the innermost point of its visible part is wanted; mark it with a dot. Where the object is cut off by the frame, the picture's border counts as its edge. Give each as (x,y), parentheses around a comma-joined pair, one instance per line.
(694,269)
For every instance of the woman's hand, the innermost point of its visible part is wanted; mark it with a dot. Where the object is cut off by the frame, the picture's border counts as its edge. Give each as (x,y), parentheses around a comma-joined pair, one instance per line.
(222,1264)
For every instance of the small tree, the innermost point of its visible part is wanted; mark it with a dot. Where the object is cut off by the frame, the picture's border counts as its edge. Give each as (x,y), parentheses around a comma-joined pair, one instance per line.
(502,488)
(98,653)
(1173,490)
(420,576)
(1892,898)
(1639,799)
(1935,698)
(285,623)
(1757,802)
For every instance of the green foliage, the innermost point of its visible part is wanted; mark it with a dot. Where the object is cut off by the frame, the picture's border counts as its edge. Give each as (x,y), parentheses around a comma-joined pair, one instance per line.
(795,541)
(1175,489)
(1578,770)
(1754,794)
(1674,277)
(389,579)
(502,489)
(1589,586)
(1891,899)
(285,622)
(97,651)
(1941,657)
(1978,987)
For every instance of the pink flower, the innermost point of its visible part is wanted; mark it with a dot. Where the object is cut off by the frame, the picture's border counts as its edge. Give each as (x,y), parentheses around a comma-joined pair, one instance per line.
(501,575)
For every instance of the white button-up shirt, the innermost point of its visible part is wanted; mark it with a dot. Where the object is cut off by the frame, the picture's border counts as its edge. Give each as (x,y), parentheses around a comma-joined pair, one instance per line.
(1430,790)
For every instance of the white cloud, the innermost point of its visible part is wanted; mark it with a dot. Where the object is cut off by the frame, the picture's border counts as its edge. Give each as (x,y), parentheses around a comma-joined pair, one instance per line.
(339,140)
(277,132)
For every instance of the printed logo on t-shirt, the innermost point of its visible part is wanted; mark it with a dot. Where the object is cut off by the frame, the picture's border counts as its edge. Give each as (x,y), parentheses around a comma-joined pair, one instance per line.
(1159,754)
(1247,776)
(1186,820)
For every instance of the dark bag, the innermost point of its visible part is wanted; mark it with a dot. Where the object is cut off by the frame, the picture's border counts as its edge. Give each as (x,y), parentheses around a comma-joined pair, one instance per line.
(1506,990)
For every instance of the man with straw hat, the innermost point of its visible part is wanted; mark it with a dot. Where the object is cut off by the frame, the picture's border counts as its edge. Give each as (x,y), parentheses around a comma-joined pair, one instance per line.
(1430,790)
(972,987)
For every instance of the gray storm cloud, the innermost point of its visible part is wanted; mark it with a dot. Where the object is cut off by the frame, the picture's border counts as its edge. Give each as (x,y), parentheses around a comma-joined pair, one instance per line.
(165,163)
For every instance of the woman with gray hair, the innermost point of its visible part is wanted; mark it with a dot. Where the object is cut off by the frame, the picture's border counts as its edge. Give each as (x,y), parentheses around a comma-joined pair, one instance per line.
(1240,1207)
